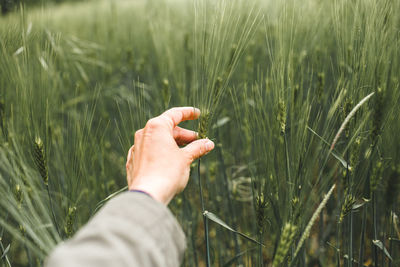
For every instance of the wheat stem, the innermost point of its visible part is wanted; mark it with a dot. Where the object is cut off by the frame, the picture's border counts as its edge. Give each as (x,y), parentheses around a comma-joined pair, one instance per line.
(205,219)
(52,210)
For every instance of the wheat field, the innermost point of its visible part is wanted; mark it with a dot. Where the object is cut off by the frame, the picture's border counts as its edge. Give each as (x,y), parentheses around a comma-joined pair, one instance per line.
(300,97)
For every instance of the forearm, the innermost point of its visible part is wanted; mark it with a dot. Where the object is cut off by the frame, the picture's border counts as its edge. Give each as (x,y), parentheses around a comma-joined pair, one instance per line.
(131,230)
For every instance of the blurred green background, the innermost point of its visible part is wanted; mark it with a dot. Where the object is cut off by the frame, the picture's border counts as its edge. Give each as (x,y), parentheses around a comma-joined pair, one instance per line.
(275,82)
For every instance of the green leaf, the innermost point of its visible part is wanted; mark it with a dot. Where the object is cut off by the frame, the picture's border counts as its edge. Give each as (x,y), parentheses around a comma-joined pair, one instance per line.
(334,154)
(217,220)
(359,205)
(5,251)
(102,202)
(380,245)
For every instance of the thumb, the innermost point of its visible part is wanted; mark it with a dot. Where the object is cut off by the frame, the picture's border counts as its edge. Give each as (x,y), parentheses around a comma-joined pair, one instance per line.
(129,160)
(198,148)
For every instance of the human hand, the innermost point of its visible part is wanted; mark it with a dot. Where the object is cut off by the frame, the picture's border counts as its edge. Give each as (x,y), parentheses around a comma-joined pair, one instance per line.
(156,164)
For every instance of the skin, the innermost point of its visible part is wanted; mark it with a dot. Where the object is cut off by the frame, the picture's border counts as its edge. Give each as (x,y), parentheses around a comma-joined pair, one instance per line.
(159,161)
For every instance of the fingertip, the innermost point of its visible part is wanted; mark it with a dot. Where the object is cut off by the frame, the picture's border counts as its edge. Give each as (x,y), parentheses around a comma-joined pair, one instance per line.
(198,148)
(129,159)
(179,114)
(197,112)
(129,154)
(209,145)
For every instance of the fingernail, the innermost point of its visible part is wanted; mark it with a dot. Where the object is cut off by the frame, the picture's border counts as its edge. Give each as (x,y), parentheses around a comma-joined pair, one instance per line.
(209,145)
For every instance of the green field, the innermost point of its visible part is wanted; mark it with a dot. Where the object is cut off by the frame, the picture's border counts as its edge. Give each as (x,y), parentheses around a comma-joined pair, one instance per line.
(300,97)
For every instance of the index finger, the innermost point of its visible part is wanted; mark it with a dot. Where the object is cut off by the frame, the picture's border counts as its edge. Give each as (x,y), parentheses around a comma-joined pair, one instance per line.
(179,114)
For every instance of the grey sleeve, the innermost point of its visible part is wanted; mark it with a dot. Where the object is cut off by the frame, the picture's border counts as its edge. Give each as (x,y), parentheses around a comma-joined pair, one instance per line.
(130,230)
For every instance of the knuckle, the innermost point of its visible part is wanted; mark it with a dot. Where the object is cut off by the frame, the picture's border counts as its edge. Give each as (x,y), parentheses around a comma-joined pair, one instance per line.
(188,157)
(173,110)
(167,119)
(153,123)
(138,134)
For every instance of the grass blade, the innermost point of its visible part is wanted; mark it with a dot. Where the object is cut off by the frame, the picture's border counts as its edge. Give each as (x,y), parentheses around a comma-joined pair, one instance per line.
(337,156)
(381,246)
(101,203)
(217,220)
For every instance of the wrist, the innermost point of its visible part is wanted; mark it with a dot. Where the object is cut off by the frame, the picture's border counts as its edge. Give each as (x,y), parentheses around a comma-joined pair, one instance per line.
(140,191)
(157,192)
